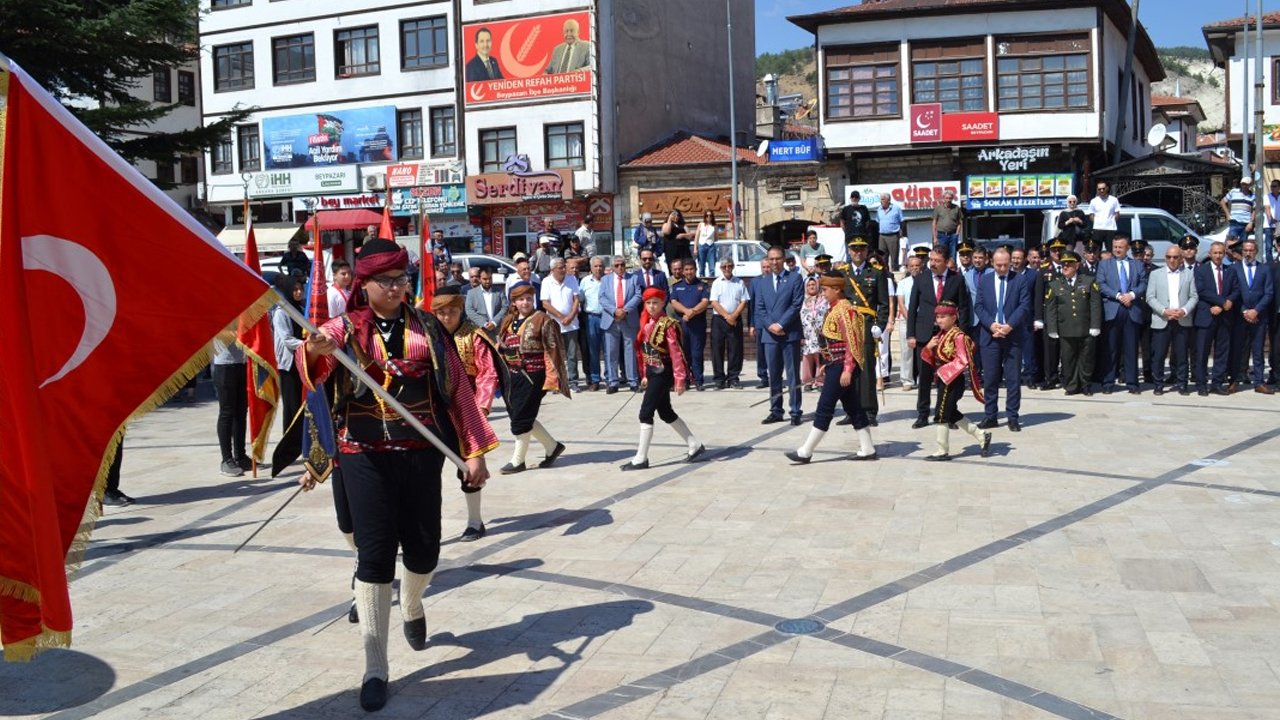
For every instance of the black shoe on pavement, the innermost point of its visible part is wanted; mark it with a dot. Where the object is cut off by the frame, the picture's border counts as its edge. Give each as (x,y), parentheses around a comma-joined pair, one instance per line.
(988,423)
(551,459)
(510,469)
(797,459)
(736,385)
(472,534)
(415,631)
(631,465)
(373,694)
(115,498)
(1158,390)
(1014,426)
(691,457)
(920,423)
(612,389)
(797,420)
(1220,391)
(986,444)
(245,463)
(230,468)
(771,420)
(937,458)
(353,615)
(635,388)
(764,385)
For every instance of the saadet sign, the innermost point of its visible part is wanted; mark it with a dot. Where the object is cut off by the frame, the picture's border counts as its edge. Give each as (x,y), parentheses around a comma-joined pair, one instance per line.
(519,184)
(926,123)
(970,127)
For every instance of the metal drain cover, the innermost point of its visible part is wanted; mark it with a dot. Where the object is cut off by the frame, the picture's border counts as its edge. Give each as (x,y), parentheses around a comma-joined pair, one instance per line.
(799,626)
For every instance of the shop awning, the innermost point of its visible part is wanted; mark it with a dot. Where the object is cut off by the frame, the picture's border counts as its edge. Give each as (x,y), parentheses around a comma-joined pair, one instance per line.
(353,219)
(270,237)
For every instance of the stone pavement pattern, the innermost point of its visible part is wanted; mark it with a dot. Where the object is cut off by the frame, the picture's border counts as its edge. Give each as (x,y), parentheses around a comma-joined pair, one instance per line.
(1118,558)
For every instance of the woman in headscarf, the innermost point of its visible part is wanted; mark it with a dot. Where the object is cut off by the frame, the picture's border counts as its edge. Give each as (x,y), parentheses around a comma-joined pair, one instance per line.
(812,312)
(530,346)
(391,475)
(841,340)
(288,338)
(662,367)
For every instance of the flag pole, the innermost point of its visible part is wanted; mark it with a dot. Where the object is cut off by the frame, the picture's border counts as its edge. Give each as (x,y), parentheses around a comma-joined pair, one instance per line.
(391,401)
(253,460)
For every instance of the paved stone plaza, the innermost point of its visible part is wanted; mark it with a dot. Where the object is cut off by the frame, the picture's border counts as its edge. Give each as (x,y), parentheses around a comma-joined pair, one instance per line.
(1118,558)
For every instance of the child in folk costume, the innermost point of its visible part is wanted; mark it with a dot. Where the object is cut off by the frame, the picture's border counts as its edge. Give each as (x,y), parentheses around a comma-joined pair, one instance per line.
(950,352)
(485,370)
(841,340)
(530,346)
(662,367)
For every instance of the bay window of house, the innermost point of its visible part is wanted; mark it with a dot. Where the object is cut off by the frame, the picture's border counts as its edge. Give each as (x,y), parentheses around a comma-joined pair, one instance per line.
(495,145)
(564,146)
(222,149)
(356,52)
(410,122)
(953,74)
(863,83)
(1043,73)
(250,147)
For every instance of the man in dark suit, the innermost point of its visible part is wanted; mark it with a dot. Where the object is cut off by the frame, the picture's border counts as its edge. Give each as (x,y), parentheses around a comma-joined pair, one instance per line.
(1256,308)
(1122,280)
(1218,296)
(648,275)
(929,289)
(482,66)
(1004,301)
(620,298)
(776,297)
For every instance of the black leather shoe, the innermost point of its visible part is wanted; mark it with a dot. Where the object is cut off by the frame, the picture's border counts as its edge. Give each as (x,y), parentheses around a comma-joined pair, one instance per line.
(1134,391)
(1158,391)
(764,385)
(1108,389)
(920,423)
(1088,391)
(1202,392)
(115,498)
(695,454)
(510,469)
(611,390)
(937,458)
(1014,426)
(373,694)
(1183,391)
(353,615)
(1221,391)
(630,465)
(472,534)
(797,420)
(771,420)
(635,388)
(722,384)
(699,387)
(551,459)
(986,444)
(797,459)
(415,631)
(988,423)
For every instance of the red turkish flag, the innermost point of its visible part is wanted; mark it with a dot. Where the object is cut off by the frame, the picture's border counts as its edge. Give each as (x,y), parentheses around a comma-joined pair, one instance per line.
(109,296)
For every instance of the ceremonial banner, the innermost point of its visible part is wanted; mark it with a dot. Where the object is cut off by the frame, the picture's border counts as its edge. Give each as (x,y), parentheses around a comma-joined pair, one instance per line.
(97,327)
(258,341)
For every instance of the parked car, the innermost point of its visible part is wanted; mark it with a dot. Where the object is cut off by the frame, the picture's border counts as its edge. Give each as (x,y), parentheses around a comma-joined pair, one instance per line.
(500,267)
(747,256)
(1157,227)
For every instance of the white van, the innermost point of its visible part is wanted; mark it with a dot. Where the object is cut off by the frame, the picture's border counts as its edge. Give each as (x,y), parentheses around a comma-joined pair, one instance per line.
(1157,227)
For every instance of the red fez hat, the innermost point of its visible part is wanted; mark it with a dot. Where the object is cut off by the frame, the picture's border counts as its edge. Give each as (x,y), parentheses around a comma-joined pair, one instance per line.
(653,292)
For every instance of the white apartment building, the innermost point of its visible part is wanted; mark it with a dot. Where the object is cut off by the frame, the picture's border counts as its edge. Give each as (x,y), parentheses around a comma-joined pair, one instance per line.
(536,102)
(1227,44)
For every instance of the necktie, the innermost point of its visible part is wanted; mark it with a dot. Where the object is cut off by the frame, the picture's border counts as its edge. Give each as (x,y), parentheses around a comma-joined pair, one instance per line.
(564,64)
(1218,272)
(1124,276)
(1000,301)
(1248,274)
(775,283)
(648,279)
(621,293)
(938,291)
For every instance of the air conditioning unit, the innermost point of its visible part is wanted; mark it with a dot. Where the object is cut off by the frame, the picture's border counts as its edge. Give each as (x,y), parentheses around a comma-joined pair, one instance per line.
(376,181)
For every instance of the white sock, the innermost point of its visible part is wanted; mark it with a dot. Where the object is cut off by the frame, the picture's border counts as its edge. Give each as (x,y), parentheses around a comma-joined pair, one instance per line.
(351,541)
(811,442)
(971,428)
(642,450)
(521,447)
(943,435)
(541,435)
(412,586)
(473,509)
(867,448)
(682,429)
(373,601)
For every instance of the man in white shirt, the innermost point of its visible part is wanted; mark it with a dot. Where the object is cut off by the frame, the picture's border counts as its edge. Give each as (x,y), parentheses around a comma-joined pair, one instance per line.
(729,301)
(915,262)
(1172,297)
(340,289)
(559,296)
(1103,209)
(589,292)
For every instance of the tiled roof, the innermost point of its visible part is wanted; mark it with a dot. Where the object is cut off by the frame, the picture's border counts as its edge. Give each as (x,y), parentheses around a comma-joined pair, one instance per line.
(1161,100)
(1268,19)
(798,130)
(685,148)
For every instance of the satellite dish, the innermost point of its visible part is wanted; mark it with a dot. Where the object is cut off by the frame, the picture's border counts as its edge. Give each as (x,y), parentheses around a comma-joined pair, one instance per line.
(1157,135)
(764,148)
(805,109)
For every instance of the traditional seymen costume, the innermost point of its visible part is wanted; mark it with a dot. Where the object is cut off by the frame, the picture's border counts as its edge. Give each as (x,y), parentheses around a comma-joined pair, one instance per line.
(662,366)
(841,341)
(530,347)
(391,475)
(950,353)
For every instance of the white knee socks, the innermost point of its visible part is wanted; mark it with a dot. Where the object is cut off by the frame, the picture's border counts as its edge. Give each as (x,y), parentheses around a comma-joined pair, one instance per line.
(685,434)
(866,447)
(412,586)
(521,446)
(473,509)
(541,435)
(642,450)
(943,436)
(374,604)
(811,443)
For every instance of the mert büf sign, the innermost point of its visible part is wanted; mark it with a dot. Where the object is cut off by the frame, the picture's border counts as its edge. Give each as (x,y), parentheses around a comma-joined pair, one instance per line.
(526,59)
(930,125)
(519,184)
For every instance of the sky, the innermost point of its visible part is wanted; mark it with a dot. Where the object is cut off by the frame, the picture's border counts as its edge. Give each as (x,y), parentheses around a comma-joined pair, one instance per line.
(1169,22)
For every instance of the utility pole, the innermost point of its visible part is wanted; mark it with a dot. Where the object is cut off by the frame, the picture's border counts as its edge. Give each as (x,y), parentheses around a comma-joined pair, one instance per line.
(1244,97)
(1122,107)
(733,128)
(1259,111)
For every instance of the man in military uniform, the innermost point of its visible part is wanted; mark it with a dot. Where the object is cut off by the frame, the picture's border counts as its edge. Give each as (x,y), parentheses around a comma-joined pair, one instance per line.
(822,264)
(868,289)
(1190,246)
(1048,270)
(1089,259)
(1073,316)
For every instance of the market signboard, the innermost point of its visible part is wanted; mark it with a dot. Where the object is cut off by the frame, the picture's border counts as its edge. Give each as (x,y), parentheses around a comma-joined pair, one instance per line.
(520,184)
(910,196)
(338,137)
(531,58)
(1018,192)
(301,181)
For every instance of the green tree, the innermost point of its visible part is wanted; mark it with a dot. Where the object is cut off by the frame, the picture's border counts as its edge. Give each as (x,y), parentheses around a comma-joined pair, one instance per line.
(97,50)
